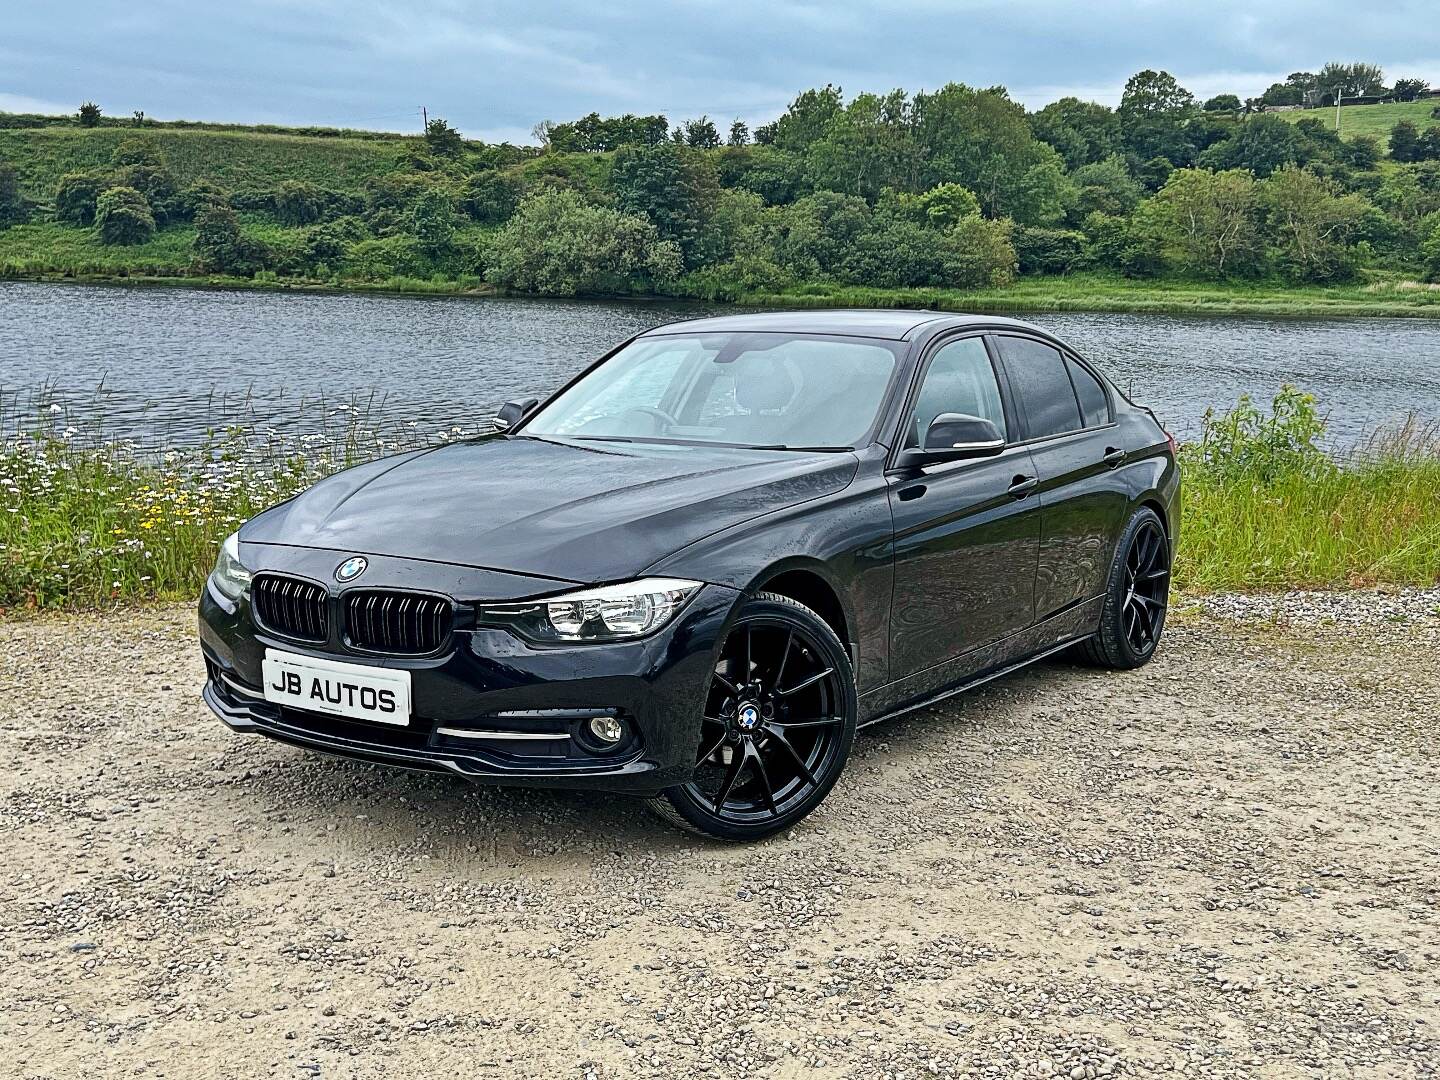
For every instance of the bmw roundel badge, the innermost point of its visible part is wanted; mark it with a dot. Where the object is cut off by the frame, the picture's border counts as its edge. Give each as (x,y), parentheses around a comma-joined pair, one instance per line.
(351,568)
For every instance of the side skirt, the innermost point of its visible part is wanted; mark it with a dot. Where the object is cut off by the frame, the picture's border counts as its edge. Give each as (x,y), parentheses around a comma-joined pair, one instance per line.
(1057,632)
(978,680)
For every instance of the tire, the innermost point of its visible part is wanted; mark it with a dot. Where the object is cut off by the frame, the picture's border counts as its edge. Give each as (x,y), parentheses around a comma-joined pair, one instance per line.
(1124,640)
(779,721)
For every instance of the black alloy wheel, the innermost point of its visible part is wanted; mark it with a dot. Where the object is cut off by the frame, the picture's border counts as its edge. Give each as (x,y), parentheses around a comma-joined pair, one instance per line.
(778,722)
(1137,597)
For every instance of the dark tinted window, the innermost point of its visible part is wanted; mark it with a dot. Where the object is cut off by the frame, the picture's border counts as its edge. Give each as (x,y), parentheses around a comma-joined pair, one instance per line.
(1094,405)
(958,380)
(1037,375)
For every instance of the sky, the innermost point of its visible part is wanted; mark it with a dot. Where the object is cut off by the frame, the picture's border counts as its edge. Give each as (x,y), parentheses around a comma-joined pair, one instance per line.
(494,69)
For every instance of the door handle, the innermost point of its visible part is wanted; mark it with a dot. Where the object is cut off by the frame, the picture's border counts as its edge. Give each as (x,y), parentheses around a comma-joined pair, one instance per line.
(1022,486)
(1114,456)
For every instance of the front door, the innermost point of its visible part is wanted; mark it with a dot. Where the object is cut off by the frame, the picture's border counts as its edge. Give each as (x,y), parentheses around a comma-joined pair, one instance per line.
(967,533)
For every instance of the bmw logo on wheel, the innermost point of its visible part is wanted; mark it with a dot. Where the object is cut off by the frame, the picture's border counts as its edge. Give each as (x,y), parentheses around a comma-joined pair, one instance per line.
(351,568)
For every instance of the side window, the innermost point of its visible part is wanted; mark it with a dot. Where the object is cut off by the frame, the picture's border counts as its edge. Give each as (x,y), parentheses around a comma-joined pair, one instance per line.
(1037,375)
(1094,402)
(960,379)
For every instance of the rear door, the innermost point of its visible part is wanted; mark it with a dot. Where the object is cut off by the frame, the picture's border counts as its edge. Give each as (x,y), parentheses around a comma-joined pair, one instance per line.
(1069,428)
(966,532)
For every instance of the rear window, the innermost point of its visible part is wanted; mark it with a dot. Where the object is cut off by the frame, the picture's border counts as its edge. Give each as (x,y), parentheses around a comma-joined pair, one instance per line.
(1037,374)
(1094,402)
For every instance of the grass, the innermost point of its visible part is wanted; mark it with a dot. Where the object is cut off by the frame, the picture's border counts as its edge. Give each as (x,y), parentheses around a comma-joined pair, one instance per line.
(1374,120)
(231,159)
(1383,296)
(1265,509)
(87,521)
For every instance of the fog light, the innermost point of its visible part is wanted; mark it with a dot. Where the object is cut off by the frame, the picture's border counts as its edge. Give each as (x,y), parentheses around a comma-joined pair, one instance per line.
(606,728)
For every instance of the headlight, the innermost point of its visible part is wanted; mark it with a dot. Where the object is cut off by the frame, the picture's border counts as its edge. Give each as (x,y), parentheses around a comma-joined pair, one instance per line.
(230,577)
(609,613)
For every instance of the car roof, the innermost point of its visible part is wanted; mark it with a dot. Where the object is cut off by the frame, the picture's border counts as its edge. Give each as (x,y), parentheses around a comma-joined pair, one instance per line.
(892,324)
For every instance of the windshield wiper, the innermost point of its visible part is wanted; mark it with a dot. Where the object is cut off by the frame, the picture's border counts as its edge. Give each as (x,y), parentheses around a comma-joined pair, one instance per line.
(803,449)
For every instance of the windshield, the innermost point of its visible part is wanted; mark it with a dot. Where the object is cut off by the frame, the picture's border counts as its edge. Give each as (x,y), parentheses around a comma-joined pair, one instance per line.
(775,391)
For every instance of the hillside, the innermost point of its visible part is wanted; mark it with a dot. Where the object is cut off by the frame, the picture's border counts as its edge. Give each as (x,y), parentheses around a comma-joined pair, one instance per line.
(1374,120)
(229,158)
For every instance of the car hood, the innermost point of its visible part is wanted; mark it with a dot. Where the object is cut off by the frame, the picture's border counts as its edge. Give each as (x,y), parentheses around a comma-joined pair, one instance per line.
(573,511)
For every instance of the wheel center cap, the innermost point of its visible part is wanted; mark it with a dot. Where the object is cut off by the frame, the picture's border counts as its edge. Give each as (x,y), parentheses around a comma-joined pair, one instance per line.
(747,717)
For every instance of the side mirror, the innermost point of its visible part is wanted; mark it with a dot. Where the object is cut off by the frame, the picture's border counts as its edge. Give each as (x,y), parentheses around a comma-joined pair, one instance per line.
(955,437)
(512,412)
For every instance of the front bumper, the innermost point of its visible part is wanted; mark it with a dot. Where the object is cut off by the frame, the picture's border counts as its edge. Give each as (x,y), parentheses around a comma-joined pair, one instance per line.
(493,708)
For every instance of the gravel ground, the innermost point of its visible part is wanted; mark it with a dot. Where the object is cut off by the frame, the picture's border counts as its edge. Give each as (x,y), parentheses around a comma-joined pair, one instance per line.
(1224,865)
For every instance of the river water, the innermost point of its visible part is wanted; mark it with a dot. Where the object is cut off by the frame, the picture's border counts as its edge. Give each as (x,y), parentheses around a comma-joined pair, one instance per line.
(165,364)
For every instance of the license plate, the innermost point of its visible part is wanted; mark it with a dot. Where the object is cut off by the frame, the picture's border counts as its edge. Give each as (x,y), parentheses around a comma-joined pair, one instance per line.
(355,691)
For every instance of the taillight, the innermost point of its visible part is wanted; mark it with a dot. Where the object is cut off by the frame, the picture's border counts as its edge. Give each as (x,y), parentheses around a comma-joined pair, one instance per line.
(1170,442)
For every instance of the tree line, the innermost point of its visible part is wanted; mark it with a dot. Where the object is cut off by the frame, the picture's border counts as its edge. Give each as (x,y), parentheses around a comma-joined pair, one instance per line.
(958,187)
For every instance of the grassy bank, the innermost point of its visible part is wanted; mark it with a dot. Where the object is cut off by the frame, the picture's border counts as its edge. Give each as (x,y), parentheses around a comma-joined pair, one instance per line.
(29,253)
(1376,120)
(86,522)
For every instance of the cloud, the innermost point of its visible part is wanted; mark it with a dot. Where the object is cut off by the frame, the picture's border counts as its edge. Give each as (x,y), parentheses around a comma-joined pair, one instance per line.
(494,67)
(22,103)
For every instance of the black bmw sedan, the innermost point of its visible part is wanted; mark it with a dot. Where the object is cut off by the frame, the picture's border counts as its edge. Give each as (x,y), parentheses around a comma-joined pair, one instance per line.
(692,573)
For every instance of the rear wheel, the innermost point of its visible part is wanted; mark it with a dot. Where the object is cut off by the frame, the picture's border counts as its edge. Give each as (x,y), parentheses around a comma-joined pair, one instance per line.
(779,719)
(1136,598)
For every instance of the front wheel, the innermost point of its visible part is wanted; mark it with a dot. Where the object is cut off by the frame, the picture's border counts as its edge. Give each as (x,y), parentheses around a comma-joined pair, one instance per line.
(1136,596)
(779,719)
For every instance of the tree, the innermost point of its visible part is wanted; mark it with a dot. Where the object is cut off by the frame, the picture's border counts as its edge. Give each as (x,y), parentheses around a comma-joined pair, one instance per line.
(1309,219)
(559,245)
(490,197)
(1349,80)
(1262,144)
(1223,103)
(1208,222)
(1153,114)
(1104,186)
(1409,89)
(1431,252)
(89,114)
(867,146)
(1297,87)
(701,133)
(137,118)
(942,206)
(819,230)
(13,210)
(1405,141)
(433,221)
(1082,132)
(982,139)
(674,188)
(443,140)
(220,246)
(122,216)
(1429,145)
(805,120)
(739,133)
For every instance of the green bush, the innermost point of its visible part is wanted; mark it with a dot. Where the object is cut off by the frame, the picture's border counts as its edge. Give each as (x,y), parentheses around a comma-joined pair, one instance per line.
(122,216)
(490,197)
(13,210)
(75,196)
(1048,251)
(559,245)
(386,257)
(1247,445)
(221,248)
